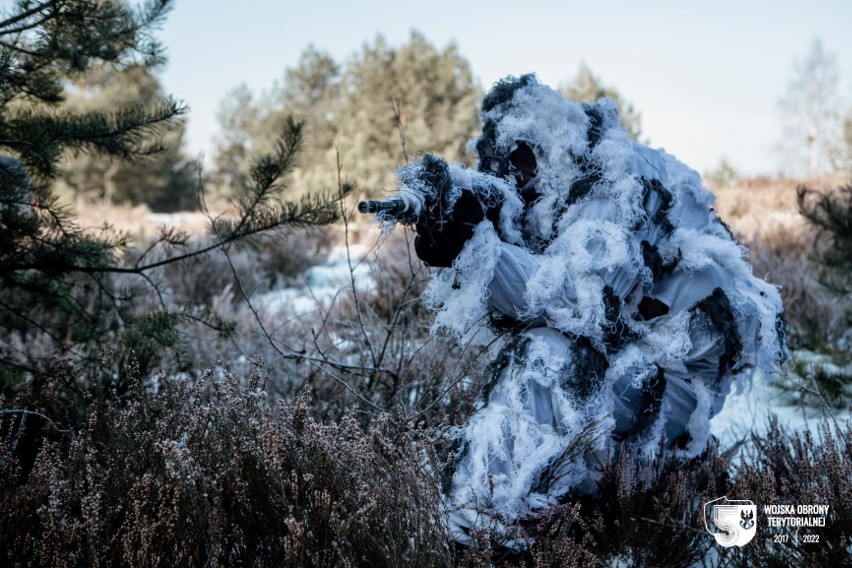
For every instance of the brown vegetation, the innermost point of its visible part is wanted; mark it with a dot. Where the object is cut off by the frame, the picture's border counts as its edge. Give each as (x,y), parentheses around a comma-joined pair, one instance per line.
(210,472)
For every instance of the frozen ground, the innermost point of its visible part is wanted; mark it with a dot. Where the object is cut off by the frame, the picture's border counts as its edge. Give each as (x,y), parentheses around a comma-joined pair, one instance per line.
(749,412)
(323,284)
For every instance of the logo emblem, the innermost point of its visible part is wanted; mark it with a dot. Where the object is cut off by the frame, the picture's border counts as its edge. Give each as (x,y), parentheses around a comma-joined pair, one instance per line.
(732,523)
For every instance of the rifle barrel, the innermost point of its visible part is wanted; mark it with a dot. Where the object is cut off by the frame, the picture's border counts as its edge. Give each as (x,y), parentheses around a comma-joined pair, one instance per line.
(392,205)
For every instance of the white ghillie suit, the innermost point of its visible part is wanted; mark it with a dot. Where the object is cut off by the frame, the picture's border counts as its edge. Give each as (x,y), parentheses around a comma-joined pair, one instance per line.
(638,306)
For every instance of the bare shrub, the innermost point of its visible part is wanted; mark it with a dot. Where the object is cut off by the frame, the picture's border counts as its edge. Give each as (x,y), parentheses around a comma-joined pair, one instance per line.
(371,346)
(816,379)
(203,278)
(283,258)
(274,260)
(782,258)
(386,332)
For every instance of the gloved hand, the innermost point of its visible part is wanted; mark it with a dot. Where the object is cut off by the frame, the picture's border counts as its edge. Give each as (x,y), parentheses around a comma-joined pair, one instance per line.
(439,242)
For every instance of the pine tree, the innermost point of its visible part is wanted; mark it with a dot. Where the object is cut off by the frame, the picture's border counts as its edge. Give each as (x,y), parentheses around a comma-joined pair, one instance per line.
(403,101)
(238,123)
(830,213)
(76,290)
(384,105)
(311,90)
(164,182)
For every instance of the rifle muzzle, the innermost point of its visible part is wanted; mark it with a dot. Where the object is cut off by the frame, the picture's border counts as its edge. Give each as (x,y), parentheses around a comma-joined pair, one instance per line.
(393,206)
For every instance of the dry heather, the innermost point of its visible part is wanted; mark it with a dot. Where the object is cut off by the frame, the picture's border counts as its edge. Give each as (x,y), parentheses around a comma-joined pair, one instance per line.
(211,473)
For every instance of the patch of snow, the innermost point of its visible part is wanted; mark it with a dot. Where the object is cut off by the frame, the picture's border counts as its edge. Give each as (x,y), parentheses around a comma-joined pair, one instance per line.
(748,412)
(324,283)
(812,362)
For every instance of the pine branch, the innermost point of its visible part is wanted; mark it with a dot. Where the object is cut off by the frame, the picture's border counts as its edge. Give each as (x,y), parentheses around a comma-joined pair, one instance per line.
(36,9)
(831,214)
(40,139)
(58,280)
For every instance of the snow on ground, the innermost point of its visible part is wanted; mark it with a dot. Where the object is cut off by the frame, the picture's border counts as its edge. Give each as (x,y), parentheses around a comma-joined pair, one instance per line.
(748,412)
(323,284)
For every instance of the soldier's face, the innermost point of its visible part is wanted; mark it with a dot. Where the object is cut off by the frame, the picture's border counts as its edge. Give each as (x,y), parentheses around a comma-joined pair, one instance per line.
(523,164)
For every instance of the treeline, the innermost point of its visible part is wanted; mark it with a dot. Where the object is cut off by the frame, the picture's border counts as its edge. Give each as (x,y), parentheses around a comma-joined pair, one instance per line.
(371,114)
(364,118)
(165,178)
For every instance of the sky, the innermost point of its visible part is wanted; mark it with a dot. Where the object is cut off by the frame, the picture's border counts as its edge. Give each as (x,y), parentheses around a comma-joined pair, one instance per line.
(705,76)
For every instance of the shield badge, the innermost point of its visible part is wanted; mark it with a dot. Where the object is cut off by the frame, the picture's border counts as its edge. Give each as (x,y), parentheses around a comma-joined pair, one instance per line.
(731,522)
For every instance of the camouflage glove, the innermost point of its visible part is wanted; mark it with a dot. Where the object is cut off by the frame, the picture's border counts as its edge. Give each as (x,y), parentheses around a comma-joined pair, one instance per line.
(438,243)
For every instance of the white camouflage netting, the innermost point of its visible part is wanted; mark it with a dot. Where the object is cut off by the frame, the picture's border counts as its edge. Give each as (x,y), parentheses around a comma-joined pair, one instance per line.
(616,225)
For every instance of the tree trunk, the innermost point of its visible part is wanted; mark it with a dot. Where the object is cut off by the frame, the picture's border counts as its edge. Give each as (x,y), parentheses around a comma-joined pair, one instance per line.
(109,185)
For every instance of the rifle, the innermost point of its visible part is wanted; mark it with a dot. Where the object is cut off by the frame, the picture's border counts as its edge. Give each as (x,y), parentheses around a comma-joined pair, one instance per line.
(426,195)
(446,203)
(431,193)
(393,207)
